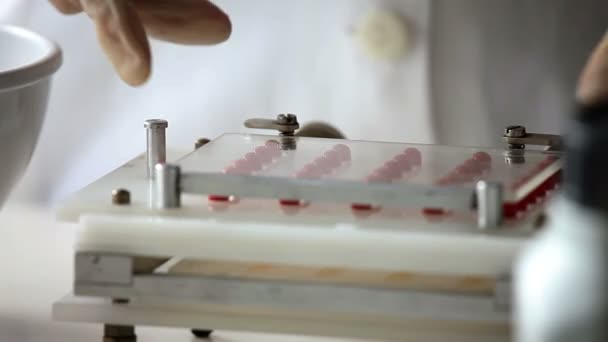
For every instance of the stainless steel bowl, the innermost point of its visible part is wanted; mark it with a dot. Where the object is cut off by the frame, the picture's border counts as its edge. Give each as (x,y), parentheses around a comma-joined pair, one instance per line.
(27,62)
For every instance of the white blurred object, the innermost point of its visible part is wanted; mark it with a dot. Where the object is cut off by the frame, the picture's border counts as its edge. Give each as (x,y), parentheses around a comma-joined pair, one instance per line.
(383,35)
(562,278)
(27,62)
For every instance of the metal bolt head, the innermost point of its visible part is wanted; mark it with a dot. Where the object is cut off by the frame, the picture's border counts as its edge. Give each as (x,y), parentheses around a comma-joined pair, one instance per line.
(155,123)
(201,142)
(515,131)
(121,197)
(287,119)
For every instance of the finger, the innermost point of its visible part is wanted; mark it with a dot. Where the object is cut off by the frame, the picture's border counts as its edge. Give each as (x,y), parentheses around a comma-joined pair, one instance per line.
(184,21)
(122,37)
(67,6)
(593,84)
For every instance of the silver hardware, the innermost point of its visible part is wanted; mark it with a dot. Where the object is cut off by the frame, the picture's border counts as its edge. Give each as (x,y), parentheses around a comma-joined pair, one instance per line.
(286,124)
(156,143)
(516,137)
(489,204)
(104,269)
(291,295)
(167,186)
(396,195)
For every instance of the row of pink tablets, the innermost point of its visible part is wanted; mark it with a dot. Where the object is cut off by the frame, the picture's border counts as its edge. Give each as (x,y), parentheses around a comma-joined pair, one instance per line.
(391,170)
(467,171)
(251,162)
(323,165)
(473,167)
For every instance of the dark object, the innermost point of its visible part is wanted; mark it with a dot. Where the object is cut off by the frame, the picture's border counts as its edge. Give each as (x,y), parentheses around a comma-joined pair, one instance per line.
(119,333)
(121,197)
(320,130)
(200,333)
(586,169)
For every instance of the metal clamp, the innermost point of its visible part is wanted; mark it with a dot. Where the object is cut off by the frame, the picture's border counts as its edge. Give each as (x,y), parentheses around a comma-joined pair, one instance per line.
(516,137)
(286,124)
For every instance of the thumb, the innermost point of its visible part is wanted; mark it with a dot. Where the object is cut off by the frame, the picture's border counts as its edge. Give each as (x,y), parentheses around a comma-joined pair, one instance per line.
(593,83)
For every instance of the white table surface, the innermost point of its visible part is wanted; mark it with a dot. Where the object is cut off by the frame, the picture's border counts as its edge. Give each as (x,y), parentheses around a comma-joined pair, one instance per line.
(36,270)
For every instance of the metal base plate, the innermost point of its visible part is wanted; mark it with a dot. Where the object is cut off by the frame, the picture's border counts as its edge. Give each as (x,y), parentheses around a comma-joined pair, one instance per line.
(166,314)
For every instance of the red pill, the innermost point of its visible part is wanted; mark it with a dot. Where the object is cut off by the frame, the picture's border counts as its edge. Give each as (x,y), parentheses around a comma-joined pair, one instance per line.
(464,169)
(362,207)
(218,198)
(310,171)
(474,168)
(242,165)
(433,211)
(324,164)
(254,163)
(262,150)
(482,157)
(290,202)
(343,152)
(413,155)
(273,144)
(332,154)
(381,174)
(391,164)
(390,172)
(263,154)
(403,162)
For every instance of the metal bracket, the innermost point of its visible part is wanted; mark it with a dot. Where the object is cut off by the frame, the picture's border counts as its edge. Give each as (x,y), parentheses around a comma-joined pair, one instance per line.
(171,183)
(103,269)
(286,124)
(282,295)
(516,136)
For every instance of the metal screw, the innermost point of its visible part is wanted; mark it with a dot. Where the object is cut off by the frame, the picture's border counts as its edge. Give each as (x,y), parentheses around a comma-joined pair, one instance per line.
(287,119)
(121,197)
(200,143)
(515,131)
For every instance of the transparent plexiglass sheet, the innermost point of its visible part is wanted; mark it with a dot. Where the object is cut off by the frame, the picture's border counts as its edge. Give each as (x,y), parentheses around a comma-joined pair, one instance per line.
(374,162)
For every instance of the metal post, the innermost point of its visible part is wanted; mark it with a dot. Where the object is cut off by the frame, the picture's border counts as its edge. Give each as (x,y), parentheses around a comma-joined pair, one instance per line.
(489,204)
(156,143)
(167,187)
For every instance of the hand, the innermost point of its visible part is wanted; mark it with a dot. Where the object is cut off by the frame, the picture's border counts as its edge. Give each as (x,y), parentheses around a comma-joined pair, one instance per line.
(593,83)
(123,27)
